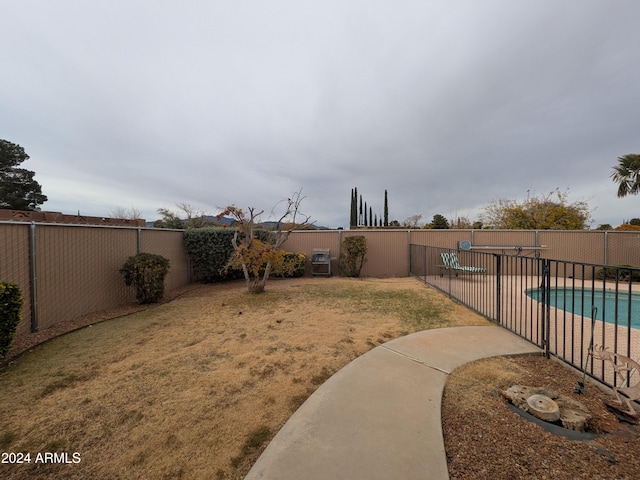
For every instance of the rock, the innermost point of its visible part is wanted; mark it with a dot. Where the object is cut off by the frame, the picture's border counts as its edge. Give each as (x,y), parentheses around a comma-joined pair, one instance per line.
(542,402)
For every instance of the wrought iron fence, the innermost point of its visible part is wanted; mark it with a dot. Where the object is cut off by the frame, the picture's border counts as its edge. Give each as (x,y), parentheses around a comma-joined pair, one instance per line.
(563,307)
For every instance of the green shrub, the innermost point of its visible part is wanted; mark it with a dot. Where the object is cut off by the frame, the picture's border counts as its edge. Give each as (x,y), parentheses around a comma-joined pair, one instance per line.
(146,272)
(210,249)
(353,255)
(10,313)
(292,265)
(610,273)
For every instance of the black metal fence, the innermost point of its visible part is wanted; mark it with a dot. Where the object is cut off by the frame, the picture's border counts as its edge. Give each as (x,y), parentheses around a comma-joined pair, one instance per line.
(563,307)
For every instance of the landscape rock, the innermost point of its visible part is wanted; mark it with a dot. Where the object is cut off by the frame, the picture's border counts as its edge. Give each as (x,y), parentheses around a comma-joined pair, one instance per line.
(572,414)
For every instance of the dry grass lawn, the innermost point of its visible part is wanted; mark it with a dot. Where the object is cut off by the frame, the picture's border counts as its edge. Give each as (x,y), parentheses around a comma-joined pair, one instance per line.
(196,388)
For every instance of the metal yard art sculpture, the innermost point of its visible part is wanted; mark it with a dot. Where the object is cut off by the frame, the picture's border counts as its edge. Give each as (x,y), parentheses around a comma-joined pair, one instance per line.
(625,368)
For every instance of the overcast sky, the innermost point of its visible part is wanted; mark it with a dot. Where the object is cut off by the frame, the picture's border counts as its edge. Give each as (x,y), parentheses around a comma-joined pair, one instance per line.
(446,104)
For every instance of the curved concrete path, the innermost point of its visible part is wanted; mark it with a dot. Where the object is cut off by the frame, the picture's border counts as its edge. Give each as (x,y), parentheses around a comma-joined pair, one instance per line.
(379,417)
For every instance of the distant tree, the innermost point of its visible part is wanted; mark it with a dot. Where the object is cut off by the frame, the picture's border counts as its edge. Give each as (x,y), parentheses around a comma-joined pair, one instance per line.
(394,223)
(18,189)
(386,210)
(627,174)
(461,223)
(195,217)
(354,207)
(370,216)
(360,219)
(548,212)
(188,217)
(169,220)
(439,222)
(131,213)
(366,224)
(628,227)
(634,221)
(604,226)
(353,220)
(412,221)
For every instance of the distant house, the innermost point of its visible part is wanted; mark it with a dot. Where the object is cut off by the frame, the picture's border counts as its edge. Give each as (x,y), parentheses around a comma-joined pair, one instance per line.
(58,217)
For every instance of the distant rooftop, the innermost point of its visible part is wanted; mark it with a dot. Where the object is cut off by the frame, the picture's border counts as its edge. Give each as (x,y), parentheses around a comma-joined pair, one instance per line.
(58,217)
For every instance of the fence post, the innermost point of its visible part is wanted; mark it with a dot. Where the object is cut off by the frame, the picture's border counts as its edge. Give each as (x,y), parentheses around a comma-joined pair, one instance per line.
(139,241)
(33,280)
(498,288)
(546,305)
(424,256)
(409,252)
(339,251)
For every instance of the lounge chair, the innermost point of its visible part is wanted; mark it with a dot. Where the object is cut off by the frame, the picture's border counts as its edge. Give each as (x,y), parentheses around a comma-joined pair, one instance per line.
(450,261)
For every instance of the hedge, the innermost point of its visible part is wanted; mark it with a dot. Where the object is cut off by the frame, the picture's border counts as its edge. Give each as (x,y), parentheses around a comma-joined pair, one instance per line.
(210,249)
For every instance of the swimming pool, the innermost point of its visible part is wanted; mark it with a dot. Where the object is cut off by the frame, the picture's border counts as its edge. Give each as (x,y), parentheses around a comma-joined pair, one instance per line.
(578,301)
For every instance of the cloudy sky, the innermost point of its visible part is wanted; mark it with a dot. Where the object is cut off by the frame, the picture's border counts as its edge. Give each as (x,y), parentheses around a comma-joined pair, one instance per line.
(447,105)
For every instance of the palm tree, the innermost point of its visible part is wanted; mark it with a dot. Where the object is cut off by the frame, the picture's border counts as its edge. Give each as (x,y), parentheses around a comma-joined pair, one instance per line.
(627,174)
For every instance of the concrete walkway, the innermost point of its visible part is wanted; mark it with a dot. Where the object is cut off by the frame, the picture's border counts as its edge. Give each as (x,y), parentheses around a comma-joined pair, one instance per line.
(379,417)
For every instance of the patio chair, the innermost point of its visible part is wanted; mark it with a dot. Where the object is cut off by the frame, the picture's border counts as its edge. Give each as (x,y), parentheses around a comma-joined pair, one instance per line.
(450,261)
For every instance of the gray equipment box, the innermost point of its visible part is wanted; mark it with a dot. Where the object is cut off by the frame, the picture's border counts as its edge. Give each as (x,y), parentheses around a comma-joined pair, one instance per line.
(320,262)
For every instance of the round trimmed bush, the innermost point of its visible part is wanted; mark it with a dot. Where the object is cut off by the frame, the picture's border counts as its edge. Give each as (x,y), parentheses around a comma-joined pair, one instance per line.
(146,272)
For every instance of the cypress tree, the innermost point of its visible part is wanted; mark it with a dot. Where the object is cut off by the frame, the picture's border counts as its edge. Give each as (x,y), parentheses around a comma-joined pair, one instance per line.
(351,209)
(386,210)
(354,211)
(355,205)
(370,216)
(365,215)
(360,216)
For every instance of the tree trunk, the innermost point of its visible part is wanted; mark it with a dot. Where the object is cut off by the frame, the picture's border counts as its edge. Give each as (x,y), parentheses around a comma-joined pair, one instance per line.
(265,277)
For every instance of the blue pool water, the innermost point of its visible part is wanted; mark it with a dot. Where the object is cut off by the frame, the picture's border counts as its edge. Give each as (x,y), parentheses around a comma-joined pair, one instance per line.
(580,302)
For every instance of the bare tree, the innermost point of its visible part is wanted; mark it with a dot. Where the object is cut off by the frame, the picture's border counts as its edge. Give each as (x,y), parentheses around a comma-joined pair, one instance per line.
(130,213)
(257,256)
(412,221)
